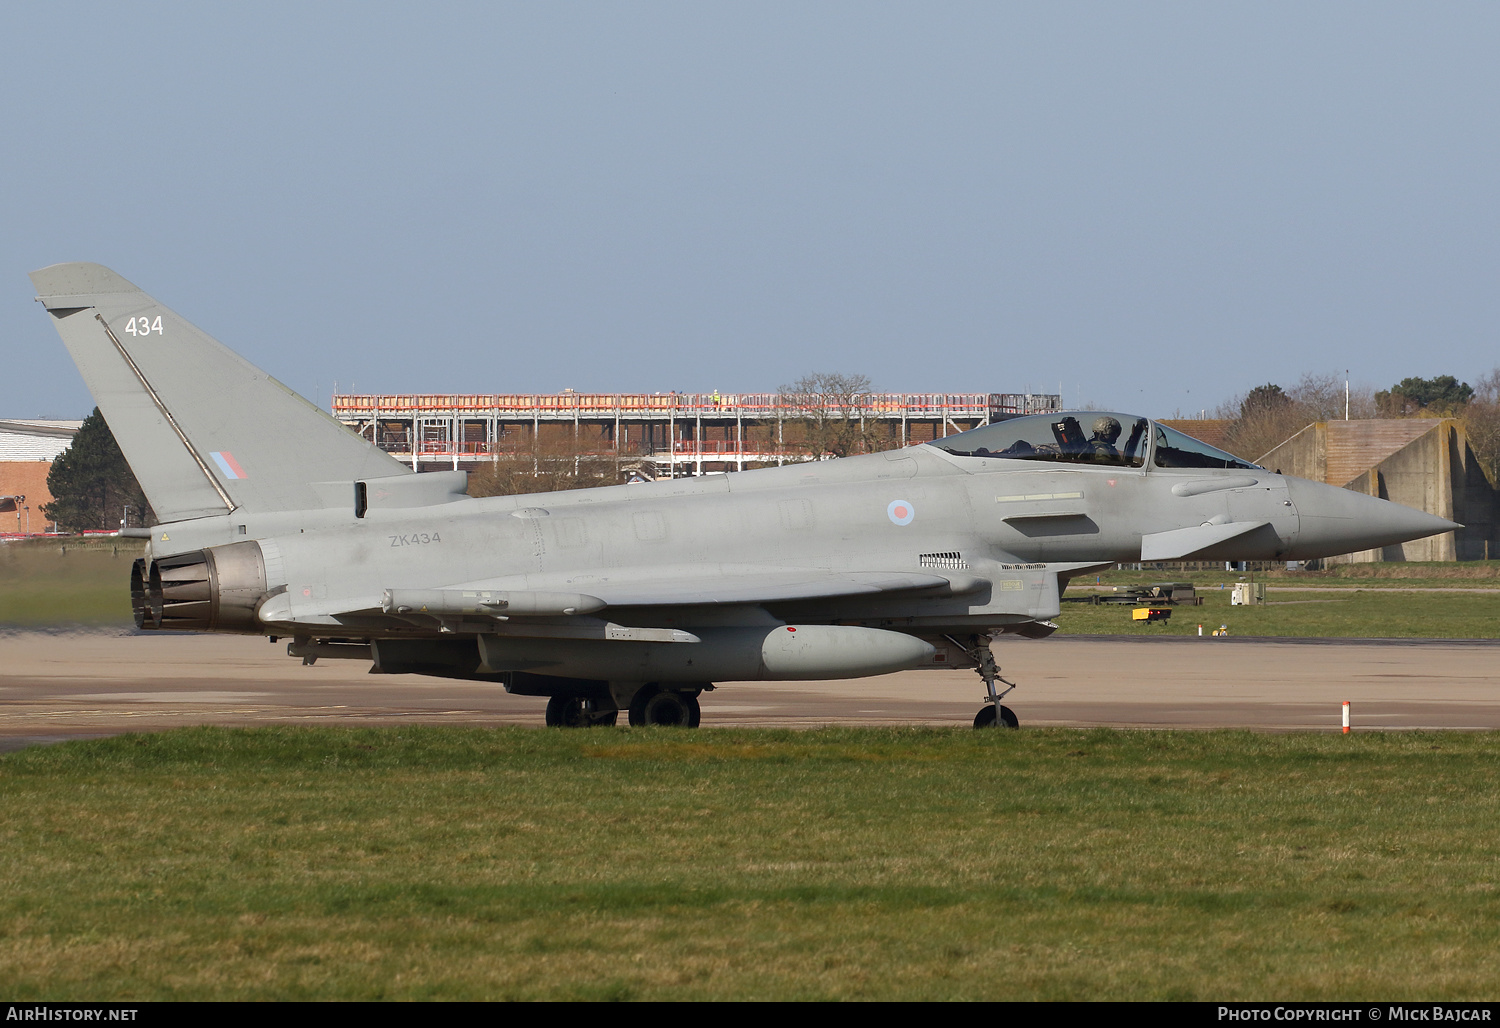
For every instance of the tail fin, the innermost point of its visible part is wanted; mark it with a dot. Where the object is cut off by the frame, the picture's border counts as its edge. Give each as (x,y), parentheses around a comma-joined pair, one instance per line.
(204,430)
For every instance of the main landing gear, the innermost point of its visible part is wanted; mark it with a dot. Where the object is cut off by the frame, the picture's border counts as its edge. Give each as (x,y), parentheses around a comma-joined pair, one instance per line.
(654,705)
(993,714)
(579,712)
(650,705)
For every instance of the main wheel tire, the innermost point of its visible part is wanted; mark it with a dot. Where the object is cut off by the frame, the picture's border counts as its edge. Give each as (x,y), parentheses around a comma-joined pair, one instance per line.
(665,708)
(637,712)
(570,712)
(986,717)
(566,712)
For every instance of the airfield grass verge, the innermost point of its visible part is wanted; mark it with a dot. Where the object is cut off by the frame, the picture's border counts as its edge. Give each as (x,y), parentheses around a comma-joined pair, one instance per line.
(1426,574)
(67,582)
(419,862)
(1367,613)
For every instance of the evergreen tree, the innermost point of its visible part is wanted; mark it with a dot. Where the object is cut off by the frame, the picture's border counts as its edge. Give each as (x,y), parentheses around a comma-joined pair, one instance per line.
(1441,395)
(1264,399)
(91,484)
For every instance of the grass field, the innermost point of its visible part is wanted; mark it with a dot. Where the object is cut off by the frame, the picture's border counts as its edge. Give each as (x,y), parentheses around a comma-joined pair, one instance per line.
(69,582)
(1406,600)
(1361,613)
(1391,574)
(654,864)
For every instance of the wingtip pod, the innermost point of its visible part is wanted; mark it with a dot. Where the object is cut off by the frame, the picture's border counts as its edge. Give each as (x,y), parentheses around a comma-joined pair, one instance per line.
(79,278)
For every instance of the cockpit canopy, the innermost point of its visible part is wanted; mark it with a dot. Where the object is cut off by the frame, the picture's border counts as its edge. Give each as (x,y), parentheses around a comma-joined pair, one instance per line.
(1090,437)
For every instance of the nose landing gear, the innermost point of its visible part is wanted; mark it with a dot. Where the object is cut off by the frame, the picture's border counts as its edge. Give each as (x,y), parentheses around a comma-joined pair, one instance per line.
(993,714)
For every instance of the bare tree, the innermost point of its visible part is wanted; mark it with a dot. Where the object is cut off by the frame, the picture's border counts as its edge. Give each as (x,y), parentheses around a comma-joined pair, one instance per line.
(831,413)
(1268,415)
(543,469)
(1482,423)
(1322,397)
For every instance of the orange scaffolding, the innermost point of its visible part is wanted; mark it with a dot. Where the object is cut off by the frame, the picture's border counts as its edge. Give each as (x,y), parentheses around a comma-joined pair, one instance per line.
(669,430)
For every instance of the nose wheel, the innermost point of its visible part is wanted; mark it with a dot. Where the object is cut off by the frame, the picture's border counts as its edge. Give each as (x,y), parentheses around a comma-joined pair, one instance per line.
(993,714)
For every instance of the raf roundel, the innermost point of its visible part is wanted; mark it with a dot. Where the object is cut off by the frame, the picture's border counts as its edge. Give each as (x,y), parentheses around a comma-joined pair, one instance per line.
(901,512)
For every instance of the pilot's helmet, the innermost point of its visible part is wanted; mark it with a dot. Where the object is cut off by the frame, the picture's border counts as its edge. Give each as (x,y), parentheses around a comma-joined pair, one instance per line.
(1106,428)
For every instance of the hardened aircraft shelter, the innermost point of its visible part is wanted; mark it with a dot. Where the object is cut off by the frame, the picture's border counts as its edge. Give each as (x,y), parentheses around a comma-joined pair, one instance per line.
(670,434)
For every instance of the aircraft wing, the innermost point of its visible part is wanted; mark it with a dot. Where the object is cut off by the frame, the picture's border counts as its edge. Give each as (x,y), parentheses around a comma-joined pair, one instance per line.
(731,584)
(520,597)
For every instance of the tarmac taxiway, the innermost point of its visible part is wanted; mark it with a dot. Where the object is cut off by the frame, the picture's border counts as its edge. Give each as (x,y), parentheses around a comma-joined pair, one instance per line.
(64,685)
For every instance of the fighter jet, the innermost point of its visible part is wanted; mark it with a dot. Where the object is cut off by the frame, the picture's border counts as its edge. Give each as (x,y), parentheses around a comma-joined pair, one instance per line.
(277,520)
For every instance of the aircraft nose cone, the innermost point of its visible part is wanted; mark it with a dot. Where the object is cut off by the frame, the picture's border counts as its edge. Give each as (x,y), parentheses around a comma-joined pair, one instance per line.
(1334,520)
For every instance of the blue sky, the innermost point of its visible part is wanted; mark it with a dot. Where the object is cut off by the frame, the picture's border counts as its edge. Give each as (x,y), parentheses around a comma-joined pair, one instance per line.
(1155,206)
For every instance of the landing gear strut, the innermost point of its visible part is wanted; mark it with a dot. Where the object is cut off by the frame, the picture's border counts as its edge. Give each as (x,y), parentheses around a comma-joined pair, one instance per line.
(992,714)
(579,712)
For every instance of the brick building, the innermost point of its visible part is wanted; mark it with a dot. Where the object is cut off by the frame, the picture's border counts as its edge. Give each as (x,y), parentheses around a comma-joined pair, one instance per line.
(27,450)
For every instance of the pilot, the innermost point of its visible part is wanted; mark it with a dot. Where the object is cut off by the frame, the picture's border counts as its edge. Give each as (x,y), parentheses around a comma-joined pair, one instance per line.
(1102,442)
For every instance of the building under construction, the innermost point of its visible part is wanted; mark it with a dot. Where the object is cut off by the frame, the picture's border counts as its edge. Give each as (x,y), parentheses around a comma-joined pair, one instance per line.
(665,434)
